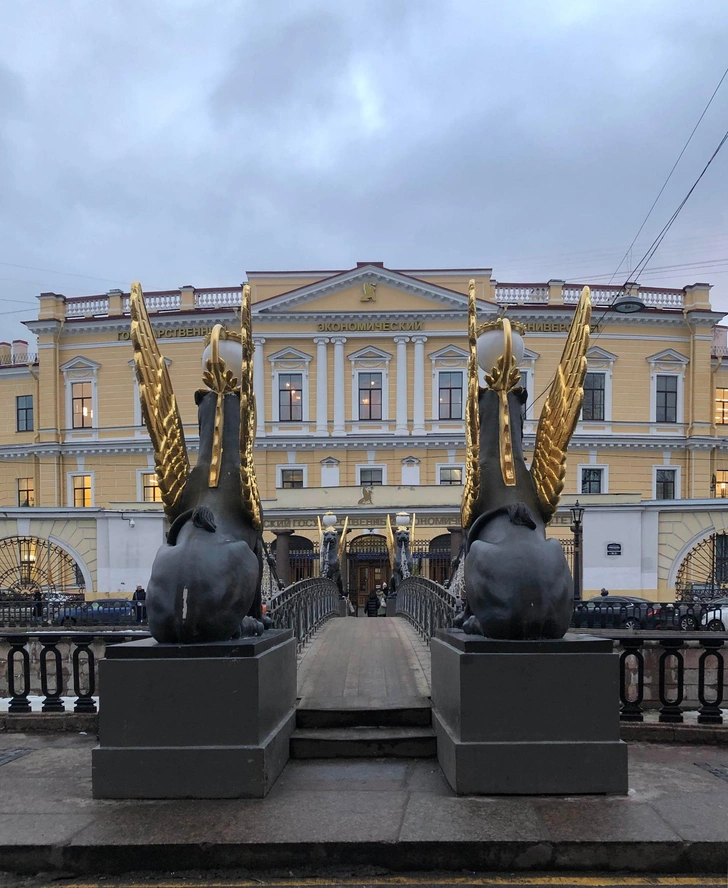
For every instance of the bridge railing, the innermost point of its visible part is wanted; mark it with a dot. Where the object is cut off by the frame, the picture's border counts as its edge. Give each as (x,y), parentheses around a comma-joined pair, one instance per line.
(427,605)
(304,606)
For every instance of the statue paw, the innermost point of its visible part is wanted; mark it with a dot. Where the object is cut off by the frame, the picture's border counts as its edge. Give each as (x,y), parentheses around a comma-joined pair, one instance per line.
(252,627)
(472,626)
(459,620)
(266,621)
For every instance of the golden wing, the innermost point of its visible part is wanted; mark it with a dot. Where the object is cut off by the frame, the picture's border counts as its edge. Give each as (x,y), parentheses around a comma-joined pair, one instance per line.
(342,541)
(471,490)
(561,411)
(248,481)
(159,406)
(391,545)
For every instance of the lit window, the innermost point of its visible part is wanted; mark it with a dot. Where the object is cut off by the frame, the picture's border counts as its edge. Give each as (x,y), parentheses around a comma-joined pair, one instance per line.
(593,397)
(290,397)
(82,488)
(721,406)
(82,405)
(450,396)
(666,404)
(371,477)
(26,492)
(665,484)
(591,480)
(370,396)
(721,483)
(24,413)
(150,488)
(451,475)
(291,478)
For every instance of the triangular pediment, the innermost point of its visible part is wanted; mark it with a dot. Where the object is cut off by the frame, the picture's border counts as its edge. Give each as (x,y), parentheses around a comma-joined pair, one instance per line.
(529,356)
(370,353)
(290,354)
(449,353)
(668,356)
(365,289)
(597,355)
(80,363)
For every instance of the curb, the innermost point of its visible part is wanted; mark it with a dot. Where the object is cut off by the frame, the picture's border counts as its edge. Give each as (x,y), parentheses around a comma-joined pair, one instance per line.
(494,856)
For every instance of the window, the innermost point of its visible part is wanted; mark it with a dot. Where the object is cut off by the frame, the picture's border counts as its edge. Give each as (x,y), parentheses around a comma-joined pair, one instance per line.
(665,484)
(721,483)
(81,487)
(591,480)
(291,478)
(82,405)
(26,492)
(593,397)
(370,396)
(371,477)
(24,413)
(451,475)
(150,488)
(290,397)
(666,402)
(451,395)
(721,406)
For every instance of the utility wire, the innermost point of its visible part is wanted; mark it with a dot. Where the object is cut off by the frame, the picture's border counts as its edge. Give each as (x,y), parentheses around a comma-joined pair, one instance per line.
(690,138)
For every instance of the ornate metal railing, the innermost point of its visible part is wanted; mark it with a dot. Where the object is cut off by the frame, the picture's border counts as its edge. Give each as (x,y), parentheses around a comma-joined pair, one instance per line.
(54,665)
(304,607)
(672,673)
(427,605)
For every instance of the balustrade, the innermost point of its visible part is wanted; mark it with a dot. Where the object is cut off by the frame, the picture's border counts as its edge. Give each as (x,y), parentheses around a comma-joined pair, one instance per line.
(427,605)
(304,607)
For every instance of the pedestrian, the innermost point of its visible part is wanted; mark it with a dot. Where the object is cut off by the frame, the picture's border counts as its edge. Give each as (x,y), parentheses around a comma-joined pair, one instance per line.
(372,605)
(38,606)
(140,597)
(604,593)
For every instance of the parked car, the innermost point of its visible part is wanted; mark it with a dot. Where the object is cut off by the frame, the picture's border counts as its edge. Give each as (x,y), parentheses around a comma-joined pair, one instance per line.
(715,615)
(615,612)
(100,613)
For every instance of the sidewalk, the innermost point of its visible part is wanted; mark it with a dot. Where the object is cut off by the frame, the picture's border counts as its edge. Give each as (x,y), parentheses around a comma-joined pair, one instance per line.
(396,814)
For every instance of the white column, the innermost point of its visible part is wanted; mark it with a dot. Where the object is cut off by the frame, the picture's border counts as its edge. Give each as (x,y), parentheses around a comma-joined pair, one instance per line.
(259,385)
(339,383)
(401,428)
(322,382)
(418,413)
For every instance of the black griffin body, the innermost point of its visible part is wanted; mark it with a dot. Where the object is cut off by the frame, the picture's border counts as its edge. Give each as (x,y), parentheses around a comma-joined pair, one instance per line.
(330,566)
(517,583)
(206,578)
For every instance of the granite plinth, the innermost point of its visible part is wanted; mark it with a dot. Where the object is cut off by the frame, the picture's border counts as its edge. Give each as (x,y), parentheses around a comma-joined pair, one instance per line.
(195,721)
(527,717)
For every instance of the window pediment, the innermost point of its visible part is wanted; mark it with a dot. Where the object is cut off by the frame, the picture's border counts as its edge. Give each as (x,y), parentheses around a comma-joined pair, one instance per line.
(290,355)
(668,359)
(79,366)
(368,354)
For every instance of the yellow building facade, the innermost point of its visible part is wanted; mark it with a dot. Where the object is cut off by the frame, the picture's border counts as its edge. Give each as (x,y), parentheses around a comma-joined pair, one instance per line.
(360,379)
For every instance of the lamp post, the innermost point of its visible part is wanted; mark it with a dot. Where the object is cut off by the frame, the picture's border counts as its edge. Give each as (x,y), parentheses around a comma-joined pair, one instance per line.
(577,515)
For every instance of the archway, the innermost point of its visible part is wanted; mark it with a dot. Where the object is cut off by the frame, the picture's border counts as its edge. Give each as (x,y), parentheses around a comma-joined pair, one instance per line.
(31,567)
(432,559)
(303,557)
(703,573)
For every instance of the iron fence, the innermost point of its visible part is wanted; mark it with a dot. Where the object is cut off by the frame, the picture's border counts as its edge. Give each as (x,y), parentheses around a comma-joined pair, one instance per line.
(642,615)
(427,605)
(70,612)
(304,606)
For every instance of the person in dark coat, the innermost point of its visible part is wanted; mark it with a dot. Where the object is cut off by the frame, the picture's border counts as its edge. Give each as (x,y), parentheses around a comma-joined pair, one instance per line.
(372,605)
(139,598)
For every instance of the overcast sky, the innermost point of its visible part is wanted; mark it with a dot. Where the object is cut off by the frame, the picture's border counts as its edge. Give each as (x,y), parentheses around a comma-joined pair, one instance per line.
(188,141)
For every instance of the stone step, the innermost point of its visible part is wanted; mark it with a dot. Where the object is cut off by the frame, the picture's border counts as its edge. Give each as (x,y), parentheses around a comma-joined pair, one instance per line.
(395,717)
(363,742)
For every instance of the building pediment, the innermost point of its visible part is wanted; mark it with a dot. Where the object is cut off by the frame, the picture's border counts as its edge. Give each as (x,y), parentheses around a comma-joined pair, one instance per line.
(365,289)
(80,363)
(668,356)
(449,353)
(290,354)
(370,353)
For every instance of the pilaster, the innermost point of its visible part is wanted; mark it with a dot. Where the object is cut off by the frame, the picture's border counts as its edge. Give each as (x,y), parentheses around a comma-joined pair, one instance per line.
(418,416)
(339,383)
(322,383)
(259,385)
(401,427)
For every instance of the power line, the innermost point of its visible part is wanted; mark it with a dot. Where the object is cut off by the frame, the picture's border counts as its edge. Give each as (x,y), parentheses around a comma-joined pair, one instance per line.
(654,203)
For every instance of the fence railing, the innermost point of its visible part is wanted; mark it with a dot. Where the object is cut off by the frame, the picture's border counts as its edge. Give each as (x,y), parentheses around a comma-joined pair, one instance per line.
(72,612)
(672,673)
(427,605)
(304,606)
(678,616)
(54,665)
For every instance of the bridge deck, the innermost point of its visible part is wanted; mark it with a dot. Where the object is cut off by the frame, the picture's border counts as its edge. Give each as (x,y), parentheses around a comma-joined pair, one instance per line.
(365,663)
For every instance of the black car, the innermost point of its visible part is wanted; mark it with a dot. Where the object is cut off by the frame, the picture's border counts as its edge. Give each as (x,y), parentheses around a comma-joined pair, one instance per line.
(615,612)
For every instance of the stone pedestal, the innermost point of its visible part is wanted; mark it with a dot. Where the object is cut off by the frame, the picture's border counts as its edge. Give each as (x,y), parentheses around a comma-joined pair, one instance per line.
(527,717)
(200,721)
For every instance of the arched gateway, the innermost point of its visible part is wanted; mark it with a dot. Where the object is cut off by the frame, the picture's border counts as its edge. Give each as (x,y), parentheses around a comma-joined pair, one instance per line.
(31,566)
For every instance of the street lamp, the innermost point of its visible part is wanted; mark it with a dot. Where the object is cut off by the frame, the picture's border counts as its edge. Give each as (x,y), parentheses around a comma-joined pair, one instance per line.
(577,516)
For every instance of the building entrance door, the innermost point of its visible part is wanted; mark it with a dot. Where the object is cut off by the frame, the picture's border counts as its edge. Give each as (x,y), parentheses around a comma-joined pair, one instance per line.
(368,565)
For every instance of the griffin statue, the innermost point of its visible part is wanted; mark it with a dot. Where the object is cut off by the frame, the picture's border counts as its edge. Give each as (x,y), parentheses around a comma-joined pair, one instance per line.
(517,583)
(205,583)
(400,555)
(332,546)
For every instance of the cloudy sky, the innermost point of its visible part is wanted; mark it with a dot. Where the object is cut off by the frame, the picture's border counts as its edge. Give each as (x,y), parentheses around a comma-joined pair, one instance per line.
(188,141)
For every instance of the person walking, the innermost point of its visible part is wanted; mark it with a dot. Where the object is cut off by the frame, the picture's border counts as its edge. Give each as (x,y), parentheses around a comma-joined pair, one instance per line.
(139,598)
(372,605)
